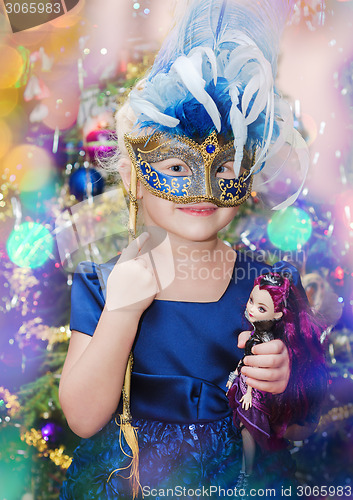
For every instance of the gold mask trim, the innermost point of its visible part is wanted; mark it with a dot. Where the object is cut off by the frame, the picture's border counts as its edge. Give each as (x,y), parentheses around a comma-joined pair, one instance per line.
(208,149)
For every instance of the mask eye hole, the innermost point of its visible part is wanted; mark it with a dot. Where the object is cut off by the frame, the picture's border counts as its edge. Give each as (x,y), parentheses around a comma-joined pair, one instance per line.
(172,166)
(225,171)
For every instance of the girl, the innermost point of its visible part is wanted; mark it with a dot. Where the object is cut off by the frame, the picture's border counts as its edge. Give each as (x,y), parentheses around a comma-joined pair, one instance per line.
(277,310)
(174,298)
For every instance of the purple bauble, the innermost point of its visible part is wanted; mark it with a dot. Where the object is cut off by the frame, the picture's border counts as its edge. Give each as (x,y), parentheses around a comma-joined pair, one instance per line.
(51,432)
(100,144)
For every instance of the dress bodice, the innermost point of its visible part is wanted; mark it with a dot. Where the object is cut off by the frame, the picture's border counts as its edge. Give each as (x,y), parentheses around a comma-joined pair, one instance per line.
(183,351)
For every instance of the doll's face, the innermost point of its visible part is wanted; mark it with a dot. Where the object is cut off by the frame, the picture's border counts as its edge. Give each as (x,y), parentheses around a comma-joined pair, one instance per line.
(260,306)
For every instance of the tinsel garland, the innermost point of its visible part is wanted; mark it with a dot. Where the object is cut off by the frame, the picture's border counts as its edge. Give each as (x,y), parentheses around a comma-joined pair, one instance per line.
(53,335)
(335,415)
(11,401)
(35,438)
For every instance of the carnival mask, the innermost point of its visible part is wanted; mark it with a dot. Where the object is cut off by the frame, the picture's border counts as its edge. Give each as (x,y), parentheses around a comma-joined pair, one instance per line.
(203,160)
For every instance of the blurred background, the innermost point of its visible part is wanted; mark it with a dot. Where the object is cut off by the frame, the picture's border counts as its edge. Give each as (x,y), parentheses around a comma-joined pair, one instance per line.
(60,84)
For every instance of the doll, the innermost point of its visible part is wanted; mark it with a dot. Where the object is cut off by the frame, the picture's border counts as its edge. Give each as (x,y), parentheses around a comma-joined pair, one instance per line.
(276,309)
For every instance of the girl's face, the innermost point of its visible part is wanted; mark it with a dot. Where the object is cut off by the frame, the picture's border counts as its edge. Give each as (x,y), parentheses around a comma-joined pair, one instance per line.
(191,222)
(198,222)
(260,306)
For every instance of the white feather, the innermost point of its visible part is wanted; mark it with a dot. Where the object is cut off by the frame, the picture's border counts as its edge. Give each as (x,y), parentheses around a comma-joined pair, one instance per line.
(302,152)
(211,57)
(268,136)
(194,82)
(239,128)
(141,106)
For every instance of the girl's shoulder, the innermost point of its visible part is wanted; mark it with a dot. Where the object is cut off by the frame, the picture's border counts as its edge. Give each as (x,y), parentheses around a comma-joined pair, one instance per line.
(92,275)
(88,294)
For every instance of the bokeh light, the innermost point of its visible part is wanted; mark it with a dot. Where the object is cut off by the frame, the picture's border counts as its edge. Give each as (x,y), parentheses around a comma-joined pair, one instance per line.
(30,245)
(64,41)
(27,158)
(5,138)
(8,101)
(344,208)
(63,105)
(34,37)
(289,229)
(35,193)
(12,66)
(310,128)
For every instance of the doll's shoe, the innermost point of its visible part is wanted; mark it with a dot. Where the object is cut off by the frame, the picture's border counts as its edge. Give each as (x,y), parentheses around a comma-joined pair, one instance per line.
(242,485)
(239,483)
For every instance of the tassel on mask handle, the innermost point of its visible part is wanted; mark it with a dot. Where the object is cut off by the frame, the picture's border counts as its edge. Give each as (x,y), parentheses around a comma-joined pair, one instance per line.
(126,429)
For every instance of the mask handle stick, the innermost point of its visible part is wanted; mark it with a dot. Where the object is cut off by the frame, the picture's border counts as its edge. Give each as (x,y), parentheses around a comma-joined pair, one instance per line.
(129,432)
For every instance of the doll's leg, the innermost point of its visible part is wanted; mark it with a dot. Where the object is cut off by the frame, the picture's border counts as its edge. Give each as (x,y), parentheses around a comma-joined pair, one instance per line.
(249,448)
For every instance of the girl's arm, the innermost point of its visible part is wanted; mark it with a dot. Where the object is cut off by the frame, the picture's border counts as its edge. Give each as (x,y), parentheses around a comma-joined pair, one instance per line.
(94,369)
(93,373)
(298,432)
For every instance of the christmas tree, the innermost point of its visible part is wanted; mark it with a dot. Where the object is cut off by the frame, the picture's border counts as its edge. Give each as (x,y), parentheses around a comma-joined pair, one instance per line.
(60,87)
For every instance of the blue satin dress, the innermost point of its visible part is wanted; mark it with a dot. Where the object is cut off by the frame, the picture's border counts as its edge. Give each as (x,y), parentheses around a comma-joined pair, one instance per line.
(183,354)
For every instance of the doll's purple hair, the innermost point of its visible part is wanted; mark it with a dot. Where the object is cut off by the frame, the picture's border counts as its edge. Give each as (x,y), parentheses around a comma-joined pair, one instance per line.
(277,285)
(301,333)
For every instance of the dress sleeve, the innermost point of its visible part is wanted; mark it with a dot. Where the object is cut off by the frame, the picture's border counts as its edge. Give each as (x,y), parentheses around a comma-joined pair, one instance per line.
(87,298)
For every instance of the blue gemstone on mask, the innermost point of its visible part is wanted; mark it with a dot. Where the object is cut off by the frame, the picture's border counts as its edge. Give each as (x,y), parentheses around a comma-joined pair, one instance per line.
(210,148)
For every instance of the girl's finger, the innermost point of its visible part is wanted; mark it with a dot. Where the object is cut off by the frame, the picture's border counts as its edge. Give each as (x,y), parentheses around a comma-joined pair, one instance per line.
(264,361)
(242,338)
(262,374)
(274,387)
(272,347)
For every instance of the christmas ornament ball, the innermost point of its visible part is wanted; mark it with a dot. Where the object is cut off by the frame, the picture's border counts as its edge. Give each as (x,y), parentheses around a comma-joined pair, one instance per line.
(51,432)
(100,143)
(84,182)
(289,229)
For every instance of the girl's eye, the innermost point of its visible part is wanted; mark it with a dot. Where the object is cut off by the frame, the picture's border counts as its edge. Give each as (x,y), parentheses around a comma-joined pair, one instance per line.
(177,168)
(250,300)
(172,166)
(225,171)
(221,169)
(262,310)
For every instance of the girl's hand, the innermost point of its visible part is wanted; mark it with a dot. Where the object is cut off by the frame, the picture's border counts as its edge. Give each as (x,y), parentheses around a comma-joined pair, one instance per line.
(132,285)
(269,370)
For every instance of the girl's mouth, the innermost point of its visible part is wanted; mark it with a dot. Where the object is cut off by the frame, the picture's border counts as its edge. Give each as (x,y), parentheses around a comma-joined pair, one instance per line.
(199,210)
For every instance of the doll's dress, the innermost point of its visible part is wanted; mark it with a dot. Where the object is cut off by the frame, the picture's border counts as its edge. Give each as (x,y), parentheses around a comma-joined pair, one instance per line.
(178,402)
(255,418)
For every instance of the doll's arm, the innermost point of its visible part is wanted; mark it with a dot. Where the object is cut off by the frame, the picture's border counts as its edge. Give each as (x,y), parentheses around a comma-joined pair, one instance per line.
(231,378)
(246,400)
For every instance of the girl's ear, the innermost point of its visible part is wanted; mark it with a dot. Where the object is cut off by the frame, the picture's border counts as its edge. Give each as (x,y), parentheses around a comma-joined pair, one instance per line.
(124,169)
(278,315)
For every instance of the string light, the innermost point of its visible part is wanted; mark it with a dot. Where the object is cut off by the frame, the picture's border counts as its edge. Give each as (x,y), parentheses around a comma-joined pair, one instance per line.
(35,438)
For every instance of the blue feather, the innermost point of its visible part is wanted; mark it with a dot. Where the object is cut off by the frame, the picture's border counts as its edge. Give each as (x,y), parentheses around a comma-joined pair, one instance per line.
(219,49)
